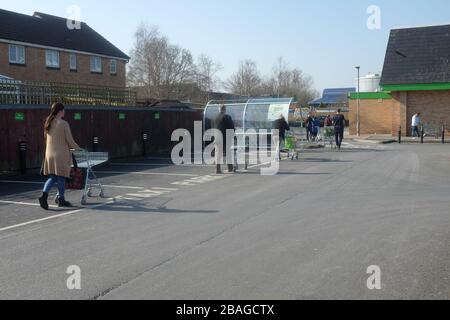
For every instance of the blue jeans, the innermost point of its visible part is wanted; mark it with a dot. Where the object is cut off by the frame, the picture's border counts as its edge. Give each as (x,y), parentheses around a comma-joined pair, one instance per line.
(415,132)
(52,180)
(339,135)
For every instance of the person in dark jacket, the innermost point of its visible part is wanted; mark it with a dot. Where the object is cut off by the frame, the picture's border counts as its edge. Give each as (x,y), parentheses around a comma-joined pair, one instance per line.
(339,126)
(223,122)
(308,126)
(282,126)
(328,122)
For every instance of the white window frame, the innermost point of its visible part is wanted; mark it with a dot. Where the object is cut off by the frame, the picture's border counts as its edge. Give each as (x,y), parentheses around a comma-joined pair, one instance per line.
(95,66)
(17,49)
(113,66)
(73,67)
(52,59)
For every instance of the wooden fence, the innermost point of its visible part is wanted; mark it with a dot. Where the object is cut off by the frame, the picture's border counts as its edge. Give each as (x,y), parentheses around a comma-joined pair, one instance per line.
(120,130)
(42,93)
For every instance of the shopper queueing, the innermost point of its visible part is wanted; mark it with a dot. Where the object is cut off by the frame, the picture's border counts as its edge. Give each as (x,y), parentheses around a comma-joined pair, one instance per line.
(223,122)
(309,124)
(282,126)
(58,158)
(328,122)
(339,127)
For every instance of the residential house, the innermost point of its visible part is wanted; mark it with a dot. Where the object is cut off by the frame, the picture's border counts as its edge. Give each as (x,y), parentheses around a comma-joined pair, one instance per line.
(47,48)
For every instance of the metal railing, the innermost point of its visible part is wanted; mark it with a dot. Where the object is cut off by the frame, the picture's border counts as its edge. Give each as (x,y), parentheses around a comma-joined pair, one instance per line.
(45,93)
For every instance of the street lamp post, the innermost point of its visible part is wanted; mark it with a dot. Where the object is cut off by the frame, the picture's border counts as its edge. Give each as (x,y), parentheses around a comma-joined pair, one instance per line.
(358,123)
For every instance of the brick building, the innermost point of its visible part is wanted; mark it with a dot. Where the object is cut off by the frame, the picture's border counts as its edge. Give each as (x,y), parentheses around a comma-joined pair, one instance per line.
(416,78)
(417,73)
(375,113)
(45,48)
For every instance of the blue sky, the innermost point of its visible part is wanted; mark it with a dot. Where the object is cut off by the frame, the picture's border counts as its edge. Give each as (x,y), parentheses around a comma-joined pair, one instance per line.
(325,38)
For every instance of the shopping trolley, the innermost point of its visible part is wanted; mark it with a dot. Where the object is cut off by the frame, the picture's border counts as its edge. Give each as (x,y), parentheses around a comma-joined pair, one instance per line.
(88,160)
(296,140)
(328,136)
(290,144)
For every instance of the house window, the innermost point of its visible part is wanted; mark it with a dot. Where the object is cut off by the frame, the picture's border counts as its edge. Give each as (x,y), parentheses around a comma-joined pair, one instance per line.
(73,62)
(16,54)
(113,67)
(52,59)
(96,64)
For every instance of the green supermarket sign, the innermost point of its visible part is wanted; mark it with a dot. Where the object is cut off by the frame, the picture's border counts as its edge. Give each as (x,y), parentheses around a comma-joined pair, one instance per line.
(157,116)
(19,116)
(77,116)
(122,116)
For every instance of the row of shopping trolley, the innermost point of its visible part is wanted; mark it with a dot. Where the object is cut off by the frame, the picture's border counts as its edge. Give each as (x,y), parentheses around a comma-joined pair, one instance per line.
(298,139)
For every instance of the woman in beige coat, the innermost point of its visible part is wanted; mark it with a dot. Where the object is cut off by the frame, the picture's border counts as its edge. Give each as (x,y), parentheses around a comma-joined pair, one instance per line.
(58,157)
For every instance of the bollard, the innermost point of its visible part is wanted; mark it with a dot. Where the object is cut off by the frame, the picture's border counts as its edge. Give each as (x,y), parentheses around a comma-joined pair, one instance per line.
(422,134)
(443,134)
(400,135)
(144,144)
(23,156)
(95,144)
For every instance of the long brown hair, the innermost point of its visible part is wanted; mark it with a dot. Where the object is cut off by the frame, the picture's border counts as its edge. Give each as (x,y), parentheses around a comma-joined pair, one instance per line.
(56,108)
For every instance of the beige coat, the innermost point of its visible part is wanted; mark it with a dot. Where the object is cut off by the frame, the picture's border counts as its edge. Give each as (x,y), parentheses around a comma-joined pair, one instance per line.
(58,158)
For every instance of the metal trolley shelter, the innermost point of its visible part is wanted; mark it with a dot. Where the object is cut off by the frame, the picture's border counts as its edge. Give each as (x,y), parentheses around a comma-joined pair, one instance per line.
(249,114)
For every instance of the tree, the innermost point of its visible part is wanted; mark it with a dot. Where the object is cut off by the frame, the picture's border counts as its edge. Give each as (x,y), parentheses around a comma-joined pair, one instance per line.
(246,81)
(286,82)
(161,68)
(206,74)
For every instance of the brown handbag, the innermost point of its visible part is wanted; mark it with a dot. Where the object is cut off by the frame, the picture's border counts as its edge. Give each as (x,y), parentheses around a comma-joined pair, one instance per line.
(76,180)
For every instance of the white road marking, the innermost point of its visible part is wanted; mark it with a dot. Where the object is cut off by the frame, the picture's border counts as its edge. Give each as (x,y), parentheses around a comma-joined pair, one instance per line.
(24,203)
(258,165)
(104,185)
(165,189)
(56,216)
(159,164)
(131,199)
(149,173)
(198,180)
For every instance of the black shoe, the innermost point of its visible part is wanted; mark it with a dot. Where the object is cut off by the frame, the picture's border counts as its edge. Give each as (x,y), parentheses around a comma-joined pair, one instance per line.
(64,204)
(43,201)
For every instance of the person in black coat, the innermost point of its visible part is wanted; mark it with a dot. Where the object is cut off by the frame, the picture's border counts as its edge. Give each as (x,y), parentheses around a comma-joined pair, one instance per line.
(282,126)
(223,122)
(339,126)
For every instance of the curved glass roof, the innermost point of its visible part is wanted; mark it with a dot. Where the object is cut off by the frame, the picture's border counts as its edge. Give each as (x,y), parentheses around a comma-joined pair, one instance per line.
(248,114)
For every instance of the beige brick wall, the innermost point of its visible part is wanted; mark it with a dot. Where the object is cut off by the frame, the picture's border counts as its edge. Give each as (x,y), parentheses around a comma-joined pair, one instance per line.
(375,116)
(36,70)
(434,107)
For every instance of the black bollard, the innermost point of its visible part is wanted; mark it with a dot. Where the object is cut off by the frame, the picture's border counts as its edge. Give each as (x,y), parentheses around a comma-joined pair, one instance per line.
(443,134)
(422,134)
(400,135)
(144,144)
(23,156)
(95,144)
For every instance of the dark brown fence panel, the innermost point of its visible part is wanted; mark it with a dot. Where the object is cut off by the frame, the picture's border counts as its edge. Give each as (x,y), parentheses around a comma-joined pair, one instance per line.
(119,130)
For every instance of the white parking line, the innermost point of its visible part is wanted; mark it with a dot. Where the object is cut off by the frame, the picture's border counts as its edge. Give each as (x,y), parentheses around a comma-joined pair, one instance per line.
(159,165)
(24,203)
(149,173)
(56,216)
(104,185)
